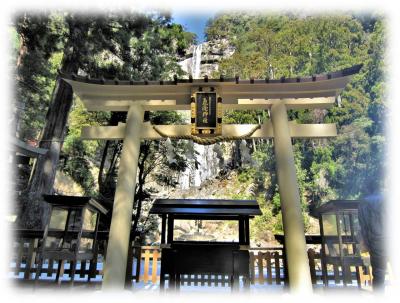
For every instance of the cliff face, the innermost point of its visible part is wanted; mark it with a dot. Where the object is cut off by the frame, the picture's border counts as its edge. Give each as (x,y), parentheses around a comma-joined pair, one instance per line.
(203,59)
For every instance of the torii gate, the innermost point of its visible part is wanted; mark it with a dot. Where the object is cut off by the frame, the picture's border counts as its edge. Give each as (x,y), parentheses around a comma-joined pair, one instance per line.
(277,96)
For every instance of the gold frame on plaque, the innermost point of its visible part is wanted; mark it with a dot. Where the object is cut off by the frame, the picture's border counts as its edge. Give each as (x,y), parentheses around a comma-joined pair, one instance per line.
(206,131)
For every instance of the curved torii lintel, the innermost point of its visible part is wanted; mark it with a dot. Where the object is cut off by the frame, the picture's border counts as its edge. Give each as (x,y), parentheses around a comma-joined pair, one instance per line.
(117,95)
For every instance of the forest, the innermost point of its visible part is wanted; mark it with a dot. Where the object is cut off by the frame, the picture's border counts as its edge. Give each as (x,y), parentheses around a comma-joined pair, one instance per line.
(130,45)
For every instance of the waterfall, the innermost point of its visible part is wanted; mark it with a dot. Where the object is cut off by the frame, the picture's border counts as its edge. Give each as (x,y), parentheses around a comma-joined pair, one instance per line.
(196,61)
(184,179)
(208,164)
(206,156)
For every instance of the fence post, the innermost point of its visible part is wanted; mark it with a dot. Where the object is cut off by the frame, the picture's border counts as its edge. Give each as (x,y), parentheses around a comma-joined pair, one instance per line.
(138,252)
(19,257)
(50,264)
(252,273)
(277,268)
(146,266)
(30,260)
(260,268)
(324,267)
(104,256)
(311,261)
(93,263)
(269,267)
(337,273)
(60,271)
(128,274)
(154,266)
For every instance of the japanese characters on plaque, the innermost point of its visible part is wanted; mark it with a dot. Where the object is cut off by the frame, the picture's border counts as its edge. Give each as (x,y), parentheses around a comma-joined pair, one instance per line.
(206,112)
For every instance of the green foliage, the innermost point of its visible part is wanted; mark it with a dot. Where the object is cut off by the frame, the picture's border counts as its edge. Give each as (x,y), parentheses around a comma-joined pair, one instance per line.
(276,203)
(265,175)
(78,166)
(262,226)
(243,117)
(227,26)
(80,153)
(276,46)
(278,224)
(348,166)
(40,42)
(15,46)
(166,117)
(127,46)
(79,117)
(246,175)
(359,159)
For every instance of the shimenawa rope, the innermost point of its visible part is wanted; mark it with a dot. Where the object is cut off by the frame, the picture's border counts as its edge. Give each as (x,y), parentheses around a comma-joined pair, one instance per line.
(207,141)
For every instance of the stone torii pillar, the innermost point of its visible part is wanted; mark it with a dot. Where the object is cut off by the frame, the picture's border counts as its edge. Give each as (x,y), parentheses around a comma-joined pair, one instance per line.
(295,243)
(118,240)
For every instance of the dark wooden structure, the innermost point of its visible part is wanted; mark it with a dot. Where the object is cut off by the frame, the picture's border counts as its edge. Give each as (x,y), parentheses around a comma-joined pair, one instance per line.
(23,156)
(23,151)
(71,232)
(340,240)
(180,258)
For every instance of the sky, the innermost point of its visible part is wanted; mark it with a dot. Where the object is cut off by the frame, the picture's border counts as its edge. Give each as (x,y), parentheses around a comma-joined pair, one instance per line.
(194,23)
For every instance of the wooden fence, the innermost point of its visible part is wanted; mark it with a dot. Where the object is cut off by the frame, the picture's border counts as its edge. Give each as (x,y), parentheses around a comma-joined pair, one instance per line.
(24,258)
(150,259)
(267,265)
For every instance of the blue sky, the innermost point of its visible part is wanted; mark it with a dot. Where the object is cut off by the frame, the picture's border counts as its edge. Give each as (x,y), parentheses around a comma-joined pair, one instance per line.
(192,22)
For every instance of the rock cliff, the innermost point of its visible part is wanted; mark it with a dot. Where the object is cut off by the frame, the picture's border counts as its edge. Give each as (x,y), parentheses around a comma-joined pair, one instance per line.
(203,59)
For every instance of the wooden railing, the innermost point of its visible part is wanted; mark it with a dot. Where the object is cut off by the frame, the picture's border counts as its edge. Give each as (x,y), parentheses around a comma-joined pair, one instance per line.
(24,259)
(267,265)
(150,259)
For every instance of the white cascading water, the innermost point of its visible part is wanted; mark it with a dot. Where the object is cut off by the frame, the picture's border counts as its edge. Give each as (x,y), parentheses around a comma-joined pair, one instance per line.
(196,61)
(206,157)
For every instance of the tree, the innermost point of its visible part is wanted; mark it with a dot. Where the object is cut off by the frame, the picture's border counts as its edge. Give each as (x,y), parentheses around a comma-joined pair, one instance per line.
(137,45)
(296,45)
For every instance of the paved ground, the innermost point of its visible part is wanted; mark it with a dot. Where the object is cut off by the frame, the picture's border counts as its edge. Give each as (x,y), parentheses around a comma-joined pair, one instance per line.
(48,286)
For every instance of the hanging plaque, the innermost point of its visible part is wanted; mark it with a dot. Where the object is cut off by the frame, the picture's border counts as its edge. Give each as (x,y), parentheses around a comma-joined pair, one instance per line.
(206,112)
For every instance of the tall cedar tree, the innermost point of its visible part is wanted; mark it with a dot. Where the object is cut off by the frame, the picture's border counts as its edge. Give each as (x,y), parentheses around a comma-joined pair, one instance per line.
(85,39)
